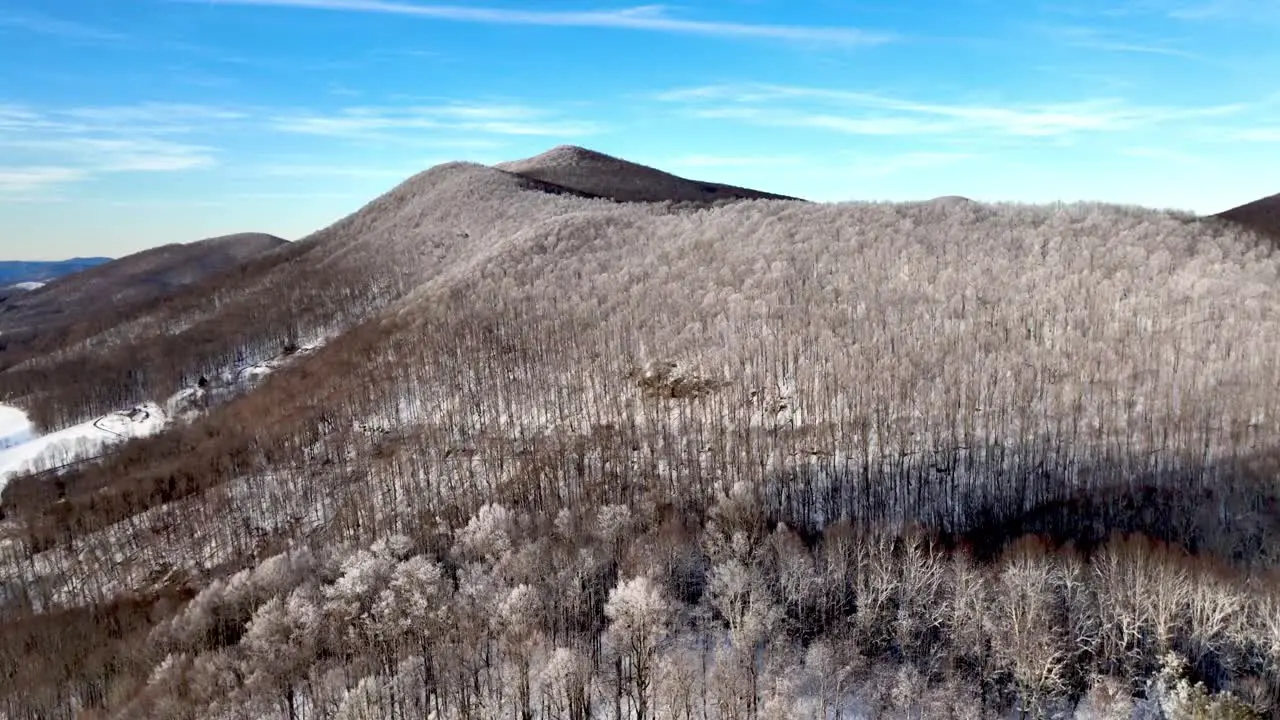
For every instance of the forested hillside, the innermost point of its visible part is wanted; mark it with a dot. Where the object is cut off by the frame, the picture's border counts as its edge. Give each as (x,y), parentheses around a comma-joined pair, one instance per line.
(1261,216)
(68,310)
(561,456)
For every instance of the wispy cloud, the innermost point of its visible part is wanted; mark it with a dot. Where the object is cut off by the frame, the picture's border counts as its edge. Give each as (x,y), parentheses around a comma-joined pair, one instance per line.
(16,116)
(25,180)
(651,18)
(781,117)
(1237,10)
(1263,134)
(143,155)
(861,113)
(96,141)
(45,25)
(145,118)
(392,123)
(1250,11)
(70,145)
(156,117)
(311,170)
(1092,38)
(118,155)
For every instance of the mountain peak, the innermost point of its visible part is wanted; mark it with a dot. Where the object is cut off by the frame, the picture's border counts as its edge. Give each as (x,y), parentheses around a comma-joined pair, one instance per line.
(574,153)
(598,174)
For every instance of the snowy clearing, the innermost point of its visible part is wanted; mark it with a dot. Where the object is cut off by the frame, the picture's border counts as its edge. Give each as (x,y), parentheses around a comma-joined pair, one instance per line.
(15,428)
(24,452)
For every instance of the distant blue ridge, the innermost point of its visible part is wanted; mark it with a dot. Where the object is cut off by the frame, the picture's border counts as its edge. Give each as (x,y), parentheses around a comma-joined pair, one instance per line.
(13,272)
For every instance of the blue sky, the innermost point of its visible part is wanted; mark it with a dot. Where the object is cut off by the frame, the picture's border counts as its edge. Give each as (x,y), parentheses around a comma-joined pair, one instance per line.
(132,123)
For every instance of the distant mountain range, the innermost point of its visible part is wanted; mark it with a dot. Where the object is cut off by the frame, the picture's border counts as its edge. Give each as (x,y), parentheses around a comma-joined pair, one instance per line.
(13,272)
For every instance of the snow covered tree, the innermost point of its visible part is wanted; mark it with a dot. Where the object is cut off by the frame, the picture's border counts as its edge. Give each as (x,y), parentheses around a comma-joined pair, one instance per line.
(566,679)
(640,617)
(740,596)
(487,536)
(280,644)
(518,623)
(415,610)
(1028,640)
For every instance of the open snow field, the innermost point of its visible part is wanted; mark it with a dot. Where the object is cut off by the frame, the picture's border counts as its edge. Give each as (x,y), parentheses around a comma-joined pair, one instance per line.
(22,450)
(15,428)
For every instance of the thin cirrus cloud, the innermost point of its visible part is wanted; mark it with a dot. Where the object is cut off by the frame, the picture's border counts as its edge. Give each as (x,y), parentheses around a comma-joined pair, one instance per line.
(862,113)
(147,119)
(312,170)
(51,148)
(1224,10)
(1264,134)
(1092,38)
(34,179)
(116,155)
(401,123)
(1190,11)
(651,18)
(41,24)
(60,147)
(156,117)
(1130,47)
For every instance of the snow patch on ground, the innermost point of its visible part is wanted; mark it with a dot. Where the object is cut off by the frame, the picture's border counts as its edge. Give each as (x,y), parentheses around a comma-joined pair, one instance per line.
(25,452)
(29,285)
(15,428)
(249,375)
(190,402)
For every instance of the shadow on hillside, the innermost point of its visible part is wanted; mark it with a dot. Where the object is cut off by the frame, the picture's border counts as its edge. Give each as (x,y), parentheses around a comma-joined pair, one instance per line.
(1229,509)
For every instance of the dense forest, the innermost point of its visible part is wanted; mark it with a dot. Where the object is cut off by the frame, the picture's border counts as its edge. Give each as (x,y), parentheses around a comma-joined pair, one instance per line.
(570,458)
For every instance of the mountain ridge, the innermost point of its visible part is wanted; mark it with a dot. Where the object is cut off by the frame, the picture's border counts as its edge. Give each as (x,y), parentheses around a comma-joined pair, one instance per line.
(13,272)
(1262,216)
(111,290)
(602,175)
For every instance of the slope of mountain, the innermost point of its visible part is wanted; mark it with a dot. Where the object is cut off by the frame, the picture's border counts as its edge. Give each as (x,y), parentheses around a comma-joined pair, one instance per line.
(17,271)
(752,451)
(18,290)
(602,175)
(1262,216)
(109,292)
